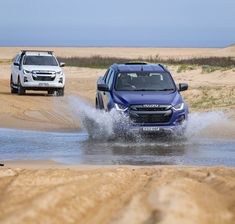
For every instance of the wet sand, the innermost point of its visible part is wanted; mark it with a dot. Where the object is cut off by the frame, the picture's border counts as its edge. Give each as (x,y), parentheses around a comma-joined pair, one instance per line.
(47,192)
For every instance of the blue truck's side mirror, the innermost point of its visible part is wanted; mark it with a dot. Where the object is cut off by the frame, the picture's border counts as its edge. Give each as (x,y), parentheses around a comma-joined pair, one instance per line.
(103,87)
(183,86)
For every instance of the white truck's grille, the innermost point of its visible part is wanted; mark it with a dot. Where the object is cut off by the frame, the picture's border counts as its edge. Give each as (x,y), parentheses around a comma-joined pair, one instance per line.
(44,75)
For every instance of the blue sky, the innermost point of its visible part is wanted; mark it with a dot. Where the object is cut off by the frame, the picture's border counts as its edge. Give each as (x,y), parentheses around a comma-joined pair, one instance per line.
(159,23)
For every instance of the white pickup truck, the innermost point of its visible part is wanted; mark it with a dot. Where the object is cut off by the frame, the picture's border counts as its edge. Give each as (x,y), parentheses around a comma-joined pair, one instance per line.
(37,70)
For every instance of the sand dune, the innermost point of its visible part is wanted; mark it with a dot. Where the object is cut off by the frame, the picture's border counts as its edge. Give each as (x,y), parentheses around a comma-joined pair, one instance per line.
(9,52)
(118,195)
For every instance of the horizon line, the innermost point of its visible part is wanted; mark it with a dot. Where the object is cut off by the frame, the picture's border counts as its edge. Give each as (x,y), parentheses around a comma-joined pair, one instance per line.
(112,46)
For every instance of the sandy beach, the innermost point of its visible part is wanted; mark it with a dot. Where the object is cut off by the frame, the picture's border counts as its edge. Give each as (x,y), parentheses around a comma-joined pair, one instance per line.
(49,192)
(116,194)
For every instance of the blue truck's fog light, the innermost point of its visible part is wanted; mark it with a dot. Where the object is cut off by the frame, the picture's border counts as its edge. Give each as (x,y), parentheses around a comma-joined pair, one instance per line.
(180,120)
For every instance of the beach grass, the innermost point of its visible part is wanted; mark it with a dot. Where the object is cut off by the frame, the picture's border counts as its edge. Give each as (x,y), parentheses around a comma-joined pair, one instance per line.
(208,64)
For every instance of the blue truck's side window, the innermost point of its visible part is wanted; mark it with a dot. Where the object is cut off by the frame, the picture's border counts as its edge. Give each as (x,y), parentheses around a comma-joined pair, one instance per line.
(106,76)
(110,80)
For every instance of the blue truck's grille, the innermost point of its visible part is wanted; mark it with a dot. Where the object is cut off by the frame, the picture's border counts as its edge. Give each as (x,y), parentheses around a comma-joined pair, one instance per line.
(151,118)
(148,115)
(150,107)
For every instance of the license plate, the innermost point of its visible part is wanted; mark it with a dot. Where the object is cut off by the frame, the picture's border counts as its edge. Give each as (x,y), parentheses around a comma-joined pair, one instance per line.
(43,84)
(151,129)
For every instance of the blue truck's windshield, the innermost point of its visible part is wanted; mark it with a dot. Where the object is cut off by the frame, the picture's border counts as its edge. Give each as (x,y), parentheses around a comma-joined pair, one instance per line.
(144,81)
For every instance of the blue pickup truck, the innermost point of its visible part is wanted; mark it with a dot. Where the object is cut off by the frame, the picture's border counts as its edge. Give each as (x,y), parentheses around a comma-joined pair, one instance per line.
(146,94)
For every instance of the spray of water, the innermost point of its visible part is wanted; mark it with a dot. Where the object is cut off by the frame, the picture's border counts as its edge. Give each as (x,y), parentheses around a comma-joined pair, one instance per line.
(199,121)
(101,125)
(98,124)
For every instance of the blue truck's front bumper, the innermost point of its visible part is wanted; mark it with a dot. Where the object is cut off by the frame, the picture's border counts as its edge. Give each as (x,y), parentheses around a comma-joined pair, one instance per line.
(175,125)
(153,129)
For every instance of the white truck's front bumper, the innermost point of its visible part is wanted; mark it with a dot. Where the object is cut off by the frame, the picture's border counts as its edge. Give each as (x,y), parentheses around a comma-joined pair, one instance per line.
(53,81)
(42,85)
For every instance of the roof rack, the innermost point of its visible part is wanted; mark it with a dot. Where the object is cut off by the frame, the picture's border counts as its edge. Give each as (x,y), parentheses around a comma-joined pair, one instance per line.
(24,51)
(163,67)
(136,63)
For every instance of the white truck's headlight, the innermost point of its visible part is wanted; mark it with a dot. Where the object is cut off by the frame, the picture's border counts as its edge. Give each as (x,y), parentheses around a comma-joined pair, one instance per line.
(26,71)
(179,107)
(59,73)
(120,107)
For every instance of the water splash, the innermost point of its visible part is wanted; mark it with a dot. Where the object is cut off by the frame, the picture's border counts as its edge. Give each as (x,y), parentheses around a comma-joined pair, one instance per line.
(199,121)
(98,124)
(101,125)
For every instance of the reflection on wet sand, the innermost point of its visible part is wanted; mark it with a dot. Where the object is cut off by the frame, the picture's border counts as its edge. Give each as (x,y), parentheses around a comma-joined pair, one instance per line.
(78,148)
(134,153)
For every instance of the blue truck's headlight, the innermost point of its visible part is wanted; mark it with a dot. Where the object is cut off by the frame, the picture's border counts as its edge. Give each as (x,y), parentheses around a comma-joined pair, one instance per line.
(120,107)
(179,107)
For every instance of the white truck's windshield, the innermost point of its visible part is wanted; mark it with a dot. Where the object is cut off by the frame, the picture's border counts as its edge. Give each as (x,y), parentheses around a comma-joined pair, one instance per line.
(40,60)
(144,81)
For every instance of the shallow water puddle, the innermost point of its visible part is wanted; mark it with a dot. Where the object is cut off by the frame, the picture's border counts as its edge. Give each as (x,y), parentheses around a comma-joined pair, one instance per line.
(78,148)
(203,143)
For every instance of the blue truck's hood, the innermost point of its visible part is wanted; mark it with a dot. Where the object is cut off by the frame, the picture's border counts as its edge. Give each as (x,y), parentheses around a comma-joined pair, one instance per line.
(132,97)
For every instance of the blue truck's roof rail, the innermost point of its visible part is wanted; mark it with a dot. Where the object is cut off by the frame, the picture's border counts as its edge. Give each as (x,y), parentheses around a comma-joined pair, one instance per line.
(163,67)
(136,63)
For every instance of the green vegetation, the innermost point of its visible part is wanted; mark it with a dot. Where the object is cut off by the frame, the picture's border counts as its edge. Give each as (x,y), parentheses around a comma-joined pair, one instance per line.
(211,97)
(92,62)
(184,67)
(5,61)
(209,69)
(207,64)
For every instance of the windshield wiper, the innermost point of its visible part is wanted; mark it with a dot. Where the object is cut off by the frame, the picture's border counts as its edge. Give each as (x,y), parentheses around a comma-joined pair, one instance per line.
(154,89)
(145,90)
(165,89)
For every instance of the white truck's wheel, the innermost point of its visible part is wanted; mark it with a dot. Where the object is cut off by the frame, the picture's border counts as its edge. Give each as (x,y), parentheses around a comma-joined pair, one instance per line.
(60,92)
(21,89)
(13,89)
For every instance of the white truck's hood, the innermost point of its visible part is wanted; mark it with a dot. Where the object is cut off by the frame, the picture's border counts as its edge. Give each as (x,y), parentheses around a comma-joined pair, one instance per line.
(42,68)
